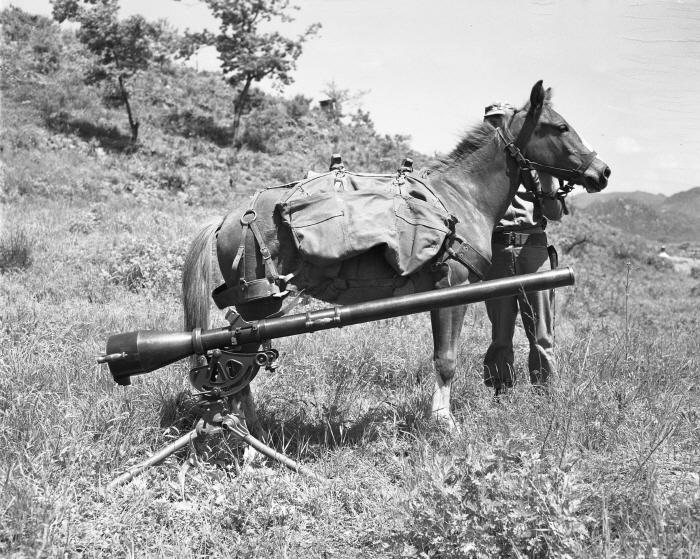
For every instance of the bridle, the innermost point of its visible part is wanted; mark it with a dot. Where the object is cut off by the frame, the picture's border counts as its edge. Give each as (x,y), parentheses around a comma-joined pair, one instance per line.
(527,167)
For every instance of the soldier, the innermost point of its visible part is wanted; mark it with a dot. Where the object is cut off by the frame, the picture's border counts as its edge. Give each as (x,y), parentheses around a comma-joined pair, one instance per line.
(519,246)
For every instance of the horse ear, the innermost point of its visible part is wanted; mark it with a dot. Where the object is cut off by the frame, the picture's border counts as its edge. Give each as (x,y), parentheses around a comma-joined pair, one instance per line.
(537,96)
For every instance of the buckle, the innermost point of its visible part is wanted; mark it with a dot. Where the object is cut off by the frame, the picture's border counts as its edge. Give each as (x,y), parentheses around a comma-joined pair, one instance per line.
(511,238)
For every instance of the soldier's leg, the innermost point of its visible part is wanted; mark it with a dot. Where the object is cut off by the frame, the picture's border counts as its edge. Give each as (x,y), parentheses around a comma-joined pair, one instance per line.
(498,361)
(536,315)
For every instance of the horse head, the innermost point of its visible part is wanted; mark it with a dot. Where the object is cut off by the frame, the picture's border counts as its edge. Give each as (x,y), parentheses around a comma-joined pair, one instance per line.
(541,139)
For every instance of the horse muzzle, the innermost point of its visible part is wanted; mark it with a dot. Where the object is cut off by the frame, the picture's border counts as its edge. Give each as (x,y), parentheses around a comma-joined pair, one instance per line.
(595,177)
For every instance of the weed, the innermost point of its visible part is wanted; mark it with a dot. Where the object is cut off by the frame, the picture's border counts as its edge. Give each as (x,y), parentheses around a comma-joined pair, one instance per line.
(86,221)
(147,267)
(492,504)
(16,248)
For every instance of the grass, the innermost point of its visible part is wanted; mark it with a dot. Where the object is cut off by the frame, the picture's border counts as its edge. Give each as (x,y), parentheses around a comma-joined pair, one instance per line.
(606,468)
(15,251)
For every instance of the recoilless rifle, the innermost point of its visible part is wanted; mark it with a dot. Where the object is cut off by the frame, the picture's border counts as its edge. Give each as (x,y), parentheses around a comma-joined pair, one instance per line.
(231,365)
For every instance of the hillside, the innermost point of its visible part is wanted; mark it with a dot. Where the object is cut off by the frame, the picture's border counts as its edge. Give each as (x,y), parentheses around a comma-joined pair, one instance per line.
(672,219)
(583,200)
(54,120)
(640,219)
(686,202)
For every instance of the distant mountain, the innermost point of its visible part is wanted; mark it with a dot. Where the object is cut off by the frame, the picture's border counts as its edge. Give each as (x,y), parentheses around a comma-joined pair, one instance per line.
(583,200)
(686,202)
(671,219)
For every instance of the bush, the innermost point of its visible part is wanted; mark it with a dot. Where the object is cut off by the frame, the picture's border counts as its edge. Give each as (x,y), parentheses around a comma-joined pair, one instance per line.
(660,263)
(147,267)
(86,222)
(493,505)
(15,251)
(265,129)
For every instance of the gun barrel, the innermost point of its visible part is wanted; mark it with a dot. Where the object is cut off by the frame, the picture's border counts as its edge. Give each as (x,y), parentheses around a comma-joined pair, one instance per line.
(339,316)
(134,353)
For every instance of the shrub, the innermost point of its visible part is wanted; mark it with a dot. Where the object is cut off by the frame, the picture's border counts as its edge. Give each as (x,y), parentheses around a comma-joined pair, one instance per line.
(493,505)
(265,129)
(15,251)
(660,263)
(146,267)
(695,273)
(86,222)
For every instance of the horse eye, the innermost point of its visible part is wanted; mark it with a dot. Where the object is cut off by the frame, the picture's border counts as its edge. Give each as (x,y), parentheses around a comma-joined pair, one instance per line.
(563,128)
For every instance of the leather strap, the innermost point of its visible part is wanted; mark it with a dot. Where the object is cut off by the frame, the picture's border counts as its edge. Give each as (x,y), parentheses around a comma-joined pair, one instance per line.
(458,248)
(245,223)
(527,165)
(225,296)
(249,223)
(519,239)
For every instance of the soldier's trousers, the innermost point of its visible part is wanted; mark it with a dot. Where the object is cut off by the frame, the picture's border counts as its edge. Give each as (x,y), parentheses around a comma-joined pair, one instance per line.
(534,311)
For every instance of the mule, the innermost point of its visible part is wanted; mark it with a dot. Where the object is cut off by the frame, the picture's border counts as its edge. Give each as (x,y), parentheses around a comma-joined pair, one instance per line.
(477,182)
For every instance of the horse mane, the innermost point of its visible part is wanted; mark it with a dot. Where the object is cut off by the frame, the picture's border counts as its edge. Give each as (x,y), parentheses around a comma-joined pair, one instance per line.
(473,140)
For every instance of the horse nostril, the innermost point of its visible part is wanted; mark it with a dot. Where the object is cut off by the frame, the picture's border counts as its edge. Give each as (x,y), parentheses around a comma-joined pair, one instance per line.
(607,172)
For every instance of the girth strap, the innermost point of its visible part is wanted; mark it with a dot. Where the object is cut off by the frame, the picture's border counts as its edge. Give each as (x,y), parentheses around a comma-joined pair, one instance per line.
(458,248)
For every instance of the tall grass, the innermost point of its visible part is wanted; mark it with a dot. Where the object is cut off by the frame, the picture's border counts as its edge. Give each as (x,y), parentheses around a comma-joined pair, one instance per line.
(605,468)
(15,250)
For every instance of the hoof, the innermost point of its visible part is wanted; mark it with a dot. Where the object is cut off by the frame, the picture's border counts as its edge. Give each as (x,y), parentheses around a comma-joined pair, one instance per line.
(445,419)
(500,394)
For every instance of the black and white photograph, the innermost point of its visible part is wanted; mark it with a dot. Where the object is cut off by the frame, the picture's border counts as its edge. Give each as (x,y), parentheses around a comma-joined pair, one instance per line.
(338,279)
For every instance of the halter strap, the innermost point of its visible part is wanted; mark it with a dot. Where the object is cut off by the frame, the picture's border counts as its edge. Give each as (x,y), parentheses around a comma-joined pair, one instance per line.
(527,165)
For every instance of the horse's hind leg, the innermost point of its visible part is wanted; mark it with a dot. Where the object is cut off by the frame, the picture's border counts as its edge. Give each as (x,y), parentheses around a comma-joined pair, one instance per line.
(243,405)
(447,326)
(251,416)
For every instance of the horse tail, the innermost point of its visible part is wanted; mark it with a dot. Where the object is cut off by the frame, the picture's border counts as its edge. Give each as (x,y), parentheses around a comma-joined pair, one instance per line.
(196,278)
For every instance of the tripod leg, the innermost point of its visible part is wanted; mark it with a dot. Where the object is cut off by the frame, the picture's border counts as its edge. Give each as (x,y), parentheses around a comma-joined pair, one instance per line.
(159,456)
(232,424)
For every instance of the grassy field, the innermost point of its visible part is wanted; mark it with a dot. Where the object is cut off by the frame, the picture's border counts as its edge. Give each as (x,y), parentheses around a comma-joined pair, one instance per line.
(608,467)
(92,236)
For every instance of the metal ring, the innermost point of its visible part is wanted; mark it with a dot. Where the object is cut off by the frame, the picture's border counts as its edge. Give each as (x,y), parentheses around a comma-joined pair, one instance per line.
(255,216)
(309,323)
(197,341)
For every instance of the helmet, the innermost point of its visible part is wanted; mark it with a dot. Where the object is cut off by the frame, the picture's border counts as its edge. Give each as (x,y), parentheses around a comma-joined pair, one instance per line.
(497,108)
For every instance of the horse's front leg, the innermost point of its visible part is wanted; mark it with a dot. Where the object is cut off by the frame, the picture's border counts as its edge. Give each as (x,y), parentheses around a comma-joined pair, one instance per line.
(447,326)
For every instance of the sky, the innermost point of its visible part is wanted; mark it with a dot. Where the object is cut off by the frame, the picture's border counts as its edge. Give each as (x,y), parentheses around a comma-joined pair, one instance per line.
(625,73)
